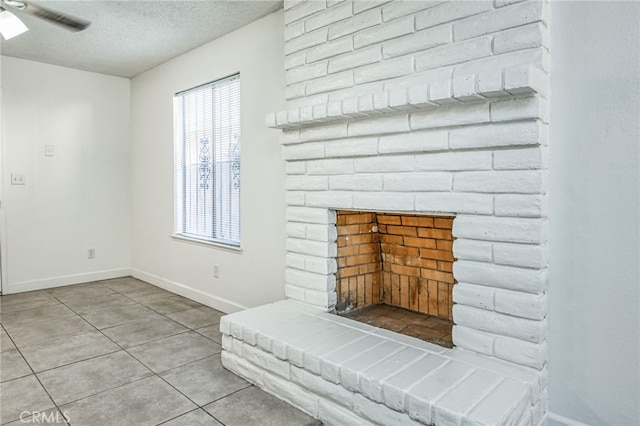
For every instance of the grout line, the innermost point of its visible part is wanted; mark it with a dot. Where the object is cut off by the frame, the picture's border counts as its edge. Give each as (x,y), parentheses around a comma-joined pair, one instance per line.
(126,350)
(35,376)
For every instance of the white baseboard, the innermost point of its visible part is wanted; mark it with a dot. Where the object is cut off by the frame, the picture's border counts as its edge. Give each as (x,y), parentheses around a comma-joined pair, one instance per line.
(555,419)
(214,302)
(45,283)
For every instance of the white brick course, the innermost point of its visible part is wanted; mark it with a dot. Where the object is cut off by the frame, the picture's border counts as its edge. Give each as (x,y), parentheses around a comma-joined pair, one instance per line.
(295,60)
(388,68)
(523,158)
(424,395)
(386,201)
(383,32)
(532,306)
(307,72)
(451,11)
(330,82)
(477,296)
(454,53)
(520,109)
(330,199)
(335,14)
(360,6)
(499,229)
(451,407)
(417,182)
(307,183)
(450,116)
(313,248)
(352,369)
(513,182)
(498,20)
(473,250)
(389,124)
(296,395)
(521,205)
(354,147)
(418,41)
(358,182)
(295,198)
(497,323)
(304,42)
(293,91)
(323,132)
(494,135)
(316,384)
(414,142)
(525,255)
(397,9)
(303,151)
(472,339)
(521,352)
(454,161)
(302,9)
(525,37)
(371,382)
(455,202)
(507,277)
(356,23)
(293,30)
(491,409)
(332,166)
(330,49)
(380,414)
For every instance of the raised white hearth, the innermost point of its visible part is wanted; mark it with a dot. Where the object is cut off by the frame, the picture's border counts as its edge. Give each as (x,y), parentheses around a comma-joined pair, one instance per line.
(417,107)
(347,373)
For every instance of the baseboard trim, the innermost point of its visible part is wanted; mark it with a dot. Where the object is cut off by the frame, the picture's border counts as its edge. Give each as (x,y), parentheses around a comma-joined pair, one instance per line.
(46,283)
(554,418)
(214,302)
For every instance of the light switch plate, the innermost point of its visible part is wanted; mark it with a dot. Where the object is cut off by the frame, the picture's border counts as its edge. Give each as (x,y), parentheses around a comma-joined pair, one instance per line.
(18,179)
(48,150)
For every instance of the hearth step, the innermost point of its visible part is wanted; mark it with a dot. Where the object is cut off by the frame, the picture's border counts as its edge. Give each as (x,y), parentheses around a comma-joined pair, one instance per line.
(347,373)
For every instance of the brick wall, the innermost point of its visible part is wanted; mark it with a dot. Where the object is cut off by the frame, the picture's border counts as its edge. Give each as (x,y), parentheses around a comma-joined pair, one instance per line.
(417,268)
(358,280)
(425,107)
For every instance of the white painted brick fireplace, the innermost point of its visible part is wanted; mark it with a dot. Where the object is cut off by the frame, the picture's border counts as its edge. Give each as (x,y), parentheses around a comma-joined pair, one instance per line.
(435,107)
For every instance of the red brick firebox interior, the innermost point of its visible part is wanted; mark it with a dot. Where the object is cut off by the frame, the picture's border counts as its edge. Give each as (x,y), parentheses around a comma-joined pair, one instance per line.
(395,271)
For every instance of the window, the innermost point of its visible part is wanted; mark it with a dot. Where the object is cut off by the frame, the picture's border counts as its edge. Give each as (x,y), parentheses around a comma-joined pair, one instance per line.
(207,162)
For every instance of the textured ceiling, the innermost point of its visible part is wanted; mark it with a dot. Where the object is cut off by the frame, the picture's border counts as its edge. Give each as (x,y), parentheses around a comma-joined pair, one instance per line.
(126,38)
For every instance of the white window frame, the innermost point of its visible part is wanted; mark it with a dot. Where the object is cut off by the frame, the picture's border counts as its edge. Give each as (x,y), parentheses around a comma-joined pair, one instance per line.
(207,163)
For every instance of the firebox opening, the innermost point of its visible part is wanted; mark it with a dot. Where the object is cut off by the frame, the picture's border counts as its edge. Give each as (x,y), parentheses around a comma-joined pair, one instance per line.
(395,271)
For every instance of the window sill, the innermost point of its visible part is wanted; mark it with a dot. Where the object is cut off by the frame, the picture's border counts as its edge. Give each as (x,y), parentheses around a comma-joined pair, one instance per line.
(222,246)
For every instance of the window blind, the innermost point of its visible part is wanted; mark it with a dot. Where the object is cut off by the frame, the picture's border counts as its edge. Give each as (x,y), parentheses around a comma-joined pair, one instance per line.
(207,162)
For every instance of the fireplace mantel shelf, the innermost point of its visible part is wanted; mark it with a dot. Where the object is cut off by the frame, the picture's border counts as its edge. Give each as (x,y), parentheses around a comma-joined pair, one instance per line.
(503,83)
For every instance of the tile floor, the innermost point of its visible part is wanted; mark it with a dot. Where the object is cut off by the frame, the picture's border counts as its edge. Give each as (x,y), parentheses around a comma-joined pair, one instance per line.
(122,352)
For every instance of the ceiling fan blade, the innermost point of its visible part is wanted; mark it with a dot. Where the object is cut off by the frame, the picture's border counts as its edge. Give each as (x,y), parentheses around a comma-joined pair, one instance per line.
(69,22)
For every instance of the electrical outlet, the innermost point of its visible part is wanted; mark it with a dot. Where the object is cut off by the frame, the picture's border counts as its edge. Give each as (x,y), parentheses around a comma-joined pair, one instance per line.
(216,271)
(91,253)
(18,179)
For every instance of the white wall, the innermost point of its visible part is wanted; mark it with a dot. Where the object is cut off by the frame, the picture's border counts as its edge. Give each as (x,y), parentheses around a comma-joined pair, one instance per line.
(80,197)
(256,275)
(594,218)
